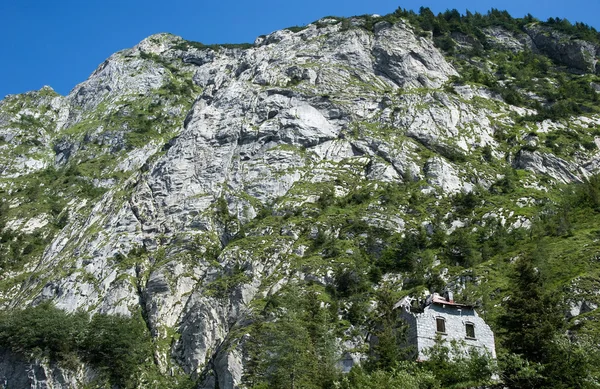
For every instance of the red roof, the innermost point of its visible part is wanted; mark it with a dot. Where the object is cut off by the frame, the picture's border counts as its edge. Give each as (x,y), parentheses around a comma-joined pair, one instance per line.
(442,301)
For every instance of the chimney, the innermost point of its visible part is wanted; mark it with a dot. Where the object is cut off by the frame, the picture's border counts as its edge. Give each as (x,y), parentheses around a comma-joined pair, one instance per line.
(449,296)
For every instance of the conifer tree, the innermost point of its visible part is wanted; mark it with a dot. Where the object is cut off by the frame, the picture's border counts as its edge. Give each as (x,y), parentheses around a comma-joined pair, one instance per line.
(532,315)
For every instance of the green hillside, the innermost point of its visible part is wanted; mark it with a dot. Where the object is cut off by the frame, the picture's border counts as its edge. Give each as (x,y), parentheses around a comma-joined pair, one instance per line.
(234,216)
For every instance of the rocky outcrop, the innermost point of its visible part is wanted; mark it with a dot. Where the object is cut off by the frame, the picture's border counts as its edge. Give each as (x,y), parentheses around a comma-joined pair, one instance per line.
(17,372)
(549,164)
(443,175)
(408,60)
(503,39)
(580,307)
(575,53)
(176,152)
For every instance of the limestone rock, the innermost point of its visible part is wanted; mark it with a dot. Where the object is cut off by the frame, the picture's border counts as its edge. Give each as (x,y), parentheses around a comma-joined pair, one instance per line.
(18,373)
(442,174)
(408,60)
(177,167)
(549,164)
(575,53)
(503,39)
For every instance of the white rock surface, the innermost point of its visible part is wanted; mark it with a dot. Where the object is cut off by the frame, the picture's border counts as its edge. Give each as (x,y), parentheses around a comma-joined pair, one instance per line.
(269,127)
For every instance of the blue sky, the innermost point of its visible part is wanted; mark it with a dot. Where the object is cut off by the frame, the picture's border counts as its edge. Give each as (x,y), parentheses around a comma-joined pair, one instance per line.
(59,43)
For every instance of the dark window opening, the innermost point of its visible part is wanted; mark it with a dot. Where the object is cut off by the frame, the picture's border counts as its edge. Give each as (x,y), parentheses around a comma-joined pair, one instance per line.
(441,325)
(470,327)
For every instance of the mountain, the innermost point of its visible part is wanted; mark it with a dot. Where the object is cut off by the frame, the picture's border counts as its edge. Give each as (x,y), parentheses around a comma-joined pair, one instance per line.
(238,215)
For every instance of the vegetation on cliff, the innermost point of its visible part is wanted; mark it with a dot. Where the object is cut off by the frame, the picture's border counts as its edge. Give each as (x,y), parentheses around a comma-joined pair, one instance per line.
(274,280)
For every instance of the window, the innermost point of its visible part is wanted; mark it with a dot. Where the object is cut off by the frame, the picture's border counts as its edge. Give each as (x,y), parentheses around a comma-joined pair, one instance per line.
(470,327)
(440,324)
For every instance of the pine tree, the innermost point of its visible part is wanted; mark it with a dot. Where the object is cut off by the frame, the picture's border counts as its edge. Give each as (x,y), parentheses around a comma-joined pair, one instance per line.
(389,348)
(533,316)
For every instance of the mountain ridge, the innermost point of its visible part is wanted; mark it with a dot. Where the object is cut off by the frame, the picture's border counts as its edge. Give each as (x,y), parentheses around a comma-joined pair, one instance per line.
(192,184)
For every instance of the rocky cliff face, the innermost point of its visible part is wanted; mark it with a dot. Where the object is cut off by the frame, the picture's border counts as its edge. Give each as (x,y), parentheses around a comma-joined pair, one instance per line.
(17,372)
(175,168)
(576,53)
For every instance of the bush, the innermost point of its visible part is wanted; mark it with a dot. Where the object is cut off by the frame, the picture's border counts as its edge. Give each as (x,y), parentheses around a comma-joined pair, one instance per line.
(43,332)
(518,372)
(292,343)
(572,363)
(296,28)
(406,375)
(462,249)
(118,347)
(445,43)
(456,367)
(532,315)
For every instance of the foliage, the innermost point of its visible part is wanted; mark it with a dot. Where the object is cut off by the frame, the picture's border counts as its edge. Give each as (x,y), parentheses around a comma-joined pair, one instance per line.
(403,254)
(462,248)
(455,368)
(119,348)
(44,332)
(224,285)
(532,315)
(570,363)
(407,375)
(186,45)
(578,30)
(573,363)
(518,372)
(296,28)
(292,343)
(390,333)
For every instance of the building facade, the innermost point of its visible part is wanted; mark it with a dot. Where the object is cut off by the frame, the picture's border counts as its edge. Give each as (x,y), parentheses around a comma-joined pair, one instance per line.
(441,317)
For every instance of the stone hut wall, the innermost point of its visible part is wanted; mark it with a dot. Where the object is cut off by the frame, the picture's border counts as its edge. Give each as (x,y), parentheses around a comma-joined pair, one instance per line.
(456,320)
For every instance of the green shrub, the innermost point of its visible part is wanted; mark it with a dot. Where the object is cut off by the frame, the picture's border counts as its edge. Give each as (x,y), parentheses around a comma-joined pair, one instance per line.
(296,28)
(291,343)
(457,368)
(43,332)
(405,376)
(461,248)
(118,347)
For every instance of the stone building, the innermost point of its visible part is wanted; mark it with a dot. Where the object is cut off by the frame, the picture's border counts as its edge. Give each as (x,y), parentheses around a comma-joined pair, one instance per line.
(437,317)
(443,317)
